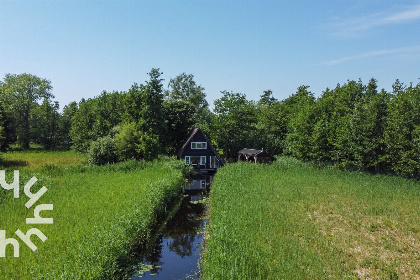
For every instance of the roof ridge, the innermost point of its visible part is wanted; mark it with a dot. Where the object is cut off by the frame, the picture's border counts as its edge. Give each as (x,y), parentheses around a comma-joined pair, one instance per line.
(194,131)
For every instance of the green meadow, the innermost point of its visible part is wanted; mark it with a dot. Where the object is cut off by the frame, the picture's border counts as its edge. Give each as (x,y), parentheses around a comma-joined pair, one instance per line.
(289,220)
(101,213)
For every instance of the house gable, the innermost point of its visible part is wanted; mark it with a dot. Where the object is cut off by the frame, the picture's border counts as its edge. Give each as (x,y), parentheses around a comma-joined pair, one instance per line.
(197,145)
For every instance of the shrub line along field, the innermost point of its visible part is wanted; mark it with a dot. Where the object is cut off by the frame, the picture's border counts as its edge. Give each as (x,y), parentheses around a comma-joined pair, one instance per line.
(101,214)
(289,220)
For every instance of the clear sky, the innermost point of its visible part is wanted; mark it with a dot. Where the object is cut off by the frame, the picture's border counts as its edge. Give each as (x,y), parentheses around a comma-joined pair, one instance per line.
(85,47)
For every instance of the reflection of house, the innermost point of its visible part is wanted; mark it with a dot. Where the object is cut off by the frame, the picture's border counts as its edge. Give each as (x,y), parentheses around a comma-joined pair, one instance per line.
(198,152)
(253,155)
(198,182)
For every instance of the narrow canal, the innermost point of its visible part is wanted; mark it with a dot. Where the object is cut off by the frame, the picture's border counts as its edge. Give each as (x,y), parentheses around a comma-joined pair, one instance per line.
(176,252)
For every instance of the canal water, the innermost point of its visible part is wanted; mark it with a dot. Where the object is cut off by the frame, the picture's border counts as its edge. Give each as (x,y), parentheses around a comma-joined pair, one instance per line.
(176,252)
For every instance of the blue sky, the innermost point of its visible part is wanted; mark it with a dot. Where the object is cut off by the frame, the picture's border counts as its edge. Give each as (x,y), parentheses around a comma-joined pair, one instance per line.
(85,47)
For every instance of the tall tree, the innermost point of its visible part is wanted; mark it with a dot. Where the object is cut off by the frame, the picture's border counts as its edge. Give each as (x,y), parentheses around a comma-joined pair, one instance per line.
(233,123)
(184,88)
(45,124)
(7,129)
(402,133)
(19,94)
(301,123)
(271,127)
(152,113)
(179,118)
(82,122)
(267,99)
(65,124)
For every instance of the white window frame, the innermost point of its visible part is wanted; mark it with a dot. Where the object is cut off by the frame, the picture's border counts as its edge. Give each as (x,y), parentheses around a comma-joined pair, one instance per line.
(214,162)
(203,160)
(198,145)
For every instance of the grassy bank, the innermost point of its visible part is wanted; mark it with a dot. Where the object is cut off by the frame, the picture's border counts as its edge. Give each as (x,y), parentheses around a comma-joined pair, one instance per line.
(100,214)
(291,221)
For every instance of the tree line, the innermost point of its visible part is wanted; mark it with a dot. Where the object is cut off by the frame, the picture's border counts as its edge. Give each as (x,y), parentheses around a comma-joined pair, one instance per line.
(354,126)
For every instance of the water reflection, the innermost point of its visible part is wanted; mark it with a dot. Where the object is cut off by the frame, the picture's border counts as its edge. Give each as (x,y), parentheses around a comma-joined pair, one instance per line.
(198,182)
(176,252)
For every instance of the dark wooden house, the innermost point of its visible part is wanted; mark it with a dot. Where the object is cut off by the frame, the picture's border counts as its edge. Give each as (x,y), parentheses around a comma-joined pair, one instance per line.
(254,155)
(198,152)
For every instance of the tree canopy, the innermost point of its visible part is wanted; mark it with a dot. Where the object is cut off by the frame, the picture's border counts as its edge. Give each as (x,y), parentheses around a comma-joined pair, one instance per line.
(353,126)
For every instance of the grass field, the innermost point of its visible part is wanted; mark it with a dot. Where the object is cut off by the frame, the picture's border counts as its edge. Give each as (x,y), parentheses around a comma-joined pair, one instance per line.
(34,159)
(100,213)
(292,221)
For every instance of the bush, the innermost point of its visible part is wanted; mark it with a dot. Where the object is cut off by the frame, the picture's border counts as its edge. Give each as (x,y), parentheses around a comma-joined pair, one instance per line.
(102,151)
(126,141)
(132,143)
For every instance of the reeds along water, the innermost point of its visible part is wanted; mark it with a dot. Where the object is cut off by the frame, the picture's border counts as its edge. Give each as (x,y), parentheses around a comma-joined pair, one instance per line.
(177,249)
(99,212)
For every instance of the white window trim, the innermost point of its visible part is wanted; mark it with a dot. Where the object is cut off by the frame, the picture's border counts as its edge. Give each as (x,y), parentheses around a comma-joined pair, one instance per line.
(203,145)
(202,160)
(214,162)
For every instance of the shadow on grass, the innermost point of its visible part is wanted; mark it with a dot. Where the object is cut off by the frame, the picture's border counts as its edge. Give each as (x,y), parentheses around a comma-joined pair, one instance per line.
(5,163)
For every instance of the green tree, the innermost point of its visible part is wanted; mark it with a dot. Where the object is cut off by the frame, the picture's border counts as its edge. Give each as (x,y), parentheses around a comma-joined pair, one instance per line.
(271,127)
(152,113)
(233,123)
(184,88)
(82,122)
(102,151)
(127,141)
(300,123)
(133,143)
(366,127)
(180,121)
(133,102)
(95,118)
(19,94)
(65,124)
(108,110)
(267,99)
(45,121)
(345,99)
(402,133)
(7,129)
(321,146)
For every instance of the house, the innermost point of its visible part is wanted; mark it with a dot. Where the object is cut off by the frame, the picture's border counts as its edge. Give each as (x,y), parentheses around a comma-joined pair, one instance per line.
(254,155)
(198,152)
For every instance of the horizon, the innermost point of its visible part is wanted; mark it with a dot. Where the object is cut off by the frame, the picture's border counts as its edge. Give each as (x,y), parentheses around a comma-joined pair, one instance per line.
(87,47)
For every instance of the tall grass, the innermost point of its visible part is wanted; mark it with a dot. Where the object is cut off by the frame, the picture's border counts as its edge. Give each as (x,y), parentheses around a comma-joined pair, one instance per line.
(100,214)
(291,221)
(33,159)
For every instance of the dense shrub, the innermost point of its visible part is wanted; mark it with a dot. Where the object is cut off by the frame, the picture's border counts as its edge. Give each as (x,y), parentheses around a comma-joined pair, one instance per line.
(126,142)
(132,143)
(102,151)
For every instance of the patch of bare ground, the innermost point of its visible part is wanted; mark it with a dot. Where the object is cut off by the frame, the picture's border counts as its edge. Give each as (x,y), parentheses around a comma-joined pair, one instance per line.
(375,247)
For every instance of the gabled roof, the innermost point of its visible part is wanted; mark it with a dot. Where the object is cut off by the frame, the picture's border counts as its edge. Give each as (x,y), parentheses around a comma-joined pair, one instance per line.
(192,134)
(251,152)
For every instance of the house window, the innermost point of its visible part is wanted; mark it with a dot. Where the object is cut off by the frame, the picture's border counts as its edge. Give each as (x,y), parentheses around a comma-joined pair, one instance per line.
(203,160)
(198,145)
(195,160)
(214,162)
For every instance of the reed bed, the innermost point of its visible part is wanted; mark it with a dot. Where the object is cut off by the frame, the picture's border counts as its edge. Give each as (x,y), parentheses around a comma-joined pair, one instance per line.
(289,220)
(101,214)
